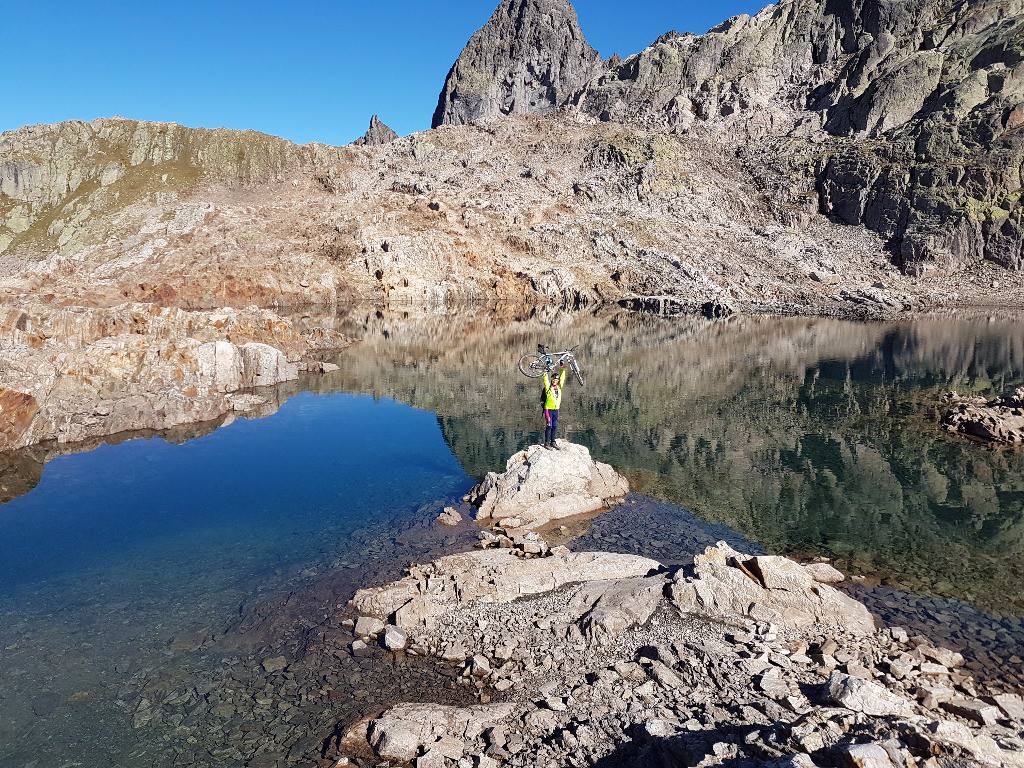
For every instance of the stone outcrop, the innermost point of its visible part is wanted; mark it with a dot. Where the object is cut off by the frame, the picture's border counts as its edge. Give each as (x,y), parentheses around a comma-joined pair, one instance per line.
(530,58)
(724,583)
(998,421)
(540,485)
(376,135)
(608,672)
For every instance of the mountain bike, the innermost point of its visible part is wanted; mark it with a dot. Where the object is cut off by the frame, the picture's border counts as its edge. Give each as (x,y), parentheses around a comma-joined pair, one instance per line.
(543,362)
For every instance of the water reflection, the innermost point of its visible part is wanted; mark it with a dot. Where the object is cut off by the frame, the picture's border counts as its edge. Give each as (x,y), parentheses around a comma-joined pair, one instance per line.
(810,436)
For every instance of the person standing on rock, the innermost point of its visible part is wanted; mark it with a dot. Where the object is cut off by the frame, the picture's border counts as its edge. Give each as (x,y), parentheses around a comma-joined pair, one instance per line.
(552,402)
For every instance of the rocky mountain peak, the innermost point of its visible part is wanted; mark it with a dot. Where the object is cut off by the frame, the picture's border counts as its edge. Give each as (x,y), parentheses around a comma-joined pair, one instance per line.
(377,134)
(528,59)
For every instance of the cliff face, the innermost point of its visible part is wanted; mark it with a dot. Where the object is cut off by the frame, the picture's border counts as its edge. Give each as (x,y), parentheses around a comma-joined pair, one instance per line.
(905,117)
(528,59)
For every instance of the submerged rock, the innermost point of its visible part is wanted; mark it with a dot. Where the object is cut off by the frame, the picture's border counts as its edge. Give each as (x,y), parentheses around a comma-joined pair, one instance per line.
(450,516)
(540,485)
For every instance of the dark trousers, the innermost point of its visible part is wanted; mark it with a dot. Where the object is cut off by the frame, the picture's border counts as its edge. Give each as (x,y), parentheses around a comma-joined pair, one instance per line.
(551,424)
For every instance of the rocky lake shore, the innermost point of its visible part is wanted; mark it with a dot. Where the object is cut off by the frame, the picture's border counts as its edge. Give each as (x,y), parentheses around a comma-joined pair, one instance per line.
(817,160)
(595,658)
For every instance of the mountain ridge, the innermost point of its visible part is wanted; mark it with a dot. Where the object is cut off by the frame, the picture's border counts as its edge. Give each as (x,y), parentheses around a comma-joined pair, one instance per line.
(941,82)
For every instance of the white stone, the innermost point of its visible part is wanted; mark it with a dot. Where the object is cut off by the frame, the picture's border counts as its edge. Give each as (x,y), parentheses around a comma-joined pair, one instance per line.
(541,485)
(395,639)
(266,366)
(368,625)
(864,696)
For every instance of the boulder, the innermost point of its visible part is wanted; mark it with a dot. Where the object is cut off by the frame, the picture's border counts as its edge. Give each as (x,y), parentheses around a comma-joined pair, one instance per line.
(606,609)
(866,756)
(865,697)
(1012,706)
(540,485)
(823,573)
(450,516)
(220,366)
(493,575)
(395,639)
(724,583)
(265,366)
(368,625)
(403,731)
(972,709)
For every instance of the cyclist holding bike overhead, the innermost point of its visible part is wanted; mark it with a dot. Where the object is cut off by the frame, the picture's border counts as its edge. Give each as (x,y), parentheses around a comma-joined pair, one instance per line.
(552,402)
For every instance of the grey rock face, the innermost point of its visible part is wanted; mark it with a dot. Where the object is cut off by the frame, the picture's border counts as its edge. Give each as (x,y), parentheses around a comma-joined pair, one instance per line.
(905,116)
(377,134)
(530,58)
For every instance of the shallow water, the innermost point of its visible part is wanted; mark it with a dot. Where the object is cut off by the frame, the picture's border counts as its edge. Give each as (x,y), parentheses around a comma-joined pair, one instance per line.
(143,584)
(121,550)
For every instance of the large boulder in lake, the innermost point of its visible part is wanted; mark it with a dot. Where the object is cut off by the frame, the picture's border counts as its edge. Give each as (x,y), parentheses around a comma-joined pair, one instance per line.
(540,485)
(727,584)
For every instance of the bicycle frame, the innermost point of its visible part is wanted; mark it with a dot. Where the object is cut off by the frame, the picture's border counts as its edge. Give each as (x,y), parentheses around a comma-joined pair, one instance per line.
(562,356)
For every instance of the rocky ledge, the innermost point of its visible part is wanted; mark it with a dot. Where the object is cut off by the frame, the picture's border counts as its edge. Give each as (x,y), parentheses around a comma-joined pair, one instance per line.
(592,658)
(71,374)
(998,421)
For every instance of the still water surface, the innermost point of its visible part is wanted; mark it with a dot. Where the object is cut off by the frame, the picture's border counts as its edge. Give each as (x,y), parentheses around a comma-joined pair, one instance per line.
(812,437)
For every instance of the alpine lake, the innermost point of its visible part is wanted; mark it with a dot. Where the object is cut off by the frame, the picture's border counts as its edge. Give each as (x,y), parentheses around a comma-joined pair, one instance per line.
(176,599)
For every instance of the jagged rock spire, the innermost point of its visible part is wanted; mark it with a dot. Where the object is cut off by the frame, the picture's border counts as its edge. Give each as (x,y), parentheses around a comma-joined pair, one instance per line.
(531,57)
(377,134)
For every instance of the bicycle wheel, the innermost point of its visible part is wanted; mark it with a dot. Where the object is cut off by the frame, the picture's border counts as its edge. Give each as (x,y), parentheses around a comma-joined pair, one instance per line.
(533,366)
(576,370)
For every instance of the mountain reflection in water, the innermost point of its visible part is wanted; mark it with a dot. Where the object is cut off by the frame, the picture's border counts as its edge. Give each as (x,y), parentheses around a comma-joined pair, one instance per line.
(811,436)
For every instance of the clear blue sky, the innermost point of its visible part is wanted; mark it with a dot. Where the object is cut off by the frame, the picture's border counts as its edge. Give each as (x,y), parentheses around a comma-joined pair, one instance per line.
(307,71)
